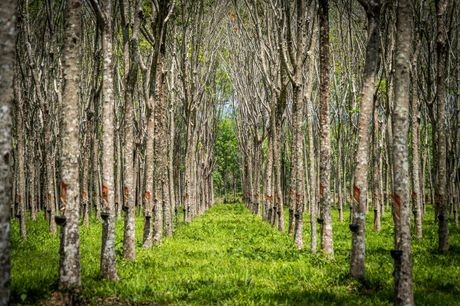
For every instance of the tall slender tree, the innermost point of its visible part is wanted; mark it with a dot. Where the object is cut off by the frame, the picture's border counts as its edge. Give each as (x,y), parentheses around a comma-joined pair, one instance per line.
(325,219)
(400,120)
(7,38)
(108,258)
(371,66)
(441,198)
(69,276)
(162,206)
(417,190)
(131,62)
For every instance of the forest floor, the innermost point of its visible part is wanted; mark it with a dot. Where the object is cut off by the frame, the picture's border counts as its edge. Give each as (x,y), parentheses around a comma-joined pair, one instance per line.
(229,256)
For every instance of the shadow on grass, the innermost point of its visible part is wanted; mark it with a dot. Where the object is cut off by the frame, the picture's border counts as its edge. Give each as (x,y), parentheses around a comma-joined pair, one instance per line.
(34,294)
(208,292)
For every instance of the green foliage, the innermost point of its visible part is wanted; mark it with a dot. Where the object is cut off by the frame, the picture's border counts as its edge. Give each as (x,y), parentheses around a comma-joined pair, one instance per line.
(232,198)
(144,46)
(231,257)
(217,179)
(382,88)
(147,8)
(339,68)
(224,83)
(355,110)
(226,153)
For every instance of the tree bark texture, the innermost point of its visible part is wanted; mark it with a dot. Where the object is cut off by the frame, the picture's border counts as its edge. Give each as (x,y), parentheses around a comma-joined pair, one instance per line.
(401,183)
(108,258)
(417,191)
(360,187)
(7,41)
(325,141)
(69,276)
(441,198)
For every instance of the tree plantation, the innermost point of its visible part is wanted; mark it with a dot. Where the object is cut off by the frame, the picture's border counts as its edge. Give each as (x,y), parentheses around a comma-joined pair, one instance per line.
(229,152)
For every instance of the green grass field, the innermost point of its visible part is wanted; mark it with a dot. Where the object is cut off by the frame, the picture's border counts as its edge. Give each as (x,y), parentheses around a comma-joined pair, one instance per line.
(230,257)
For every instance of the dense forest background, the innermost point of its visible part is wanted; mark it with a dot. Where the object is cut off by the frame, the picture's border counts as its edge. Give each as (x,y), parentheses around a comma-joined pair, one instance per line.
(137,116)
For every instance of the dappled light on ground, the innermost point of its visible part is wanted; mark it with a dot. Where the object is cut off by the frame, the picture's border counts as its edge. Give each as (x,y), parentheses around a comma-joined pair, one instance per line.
(230,256)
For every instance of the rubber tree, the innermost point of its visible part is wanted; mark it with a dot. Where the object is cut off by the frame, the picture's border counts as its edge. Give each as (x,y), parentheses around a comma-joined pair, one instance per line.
(69,273)
(131,62)
(108,259)
(401,203)
(8,37)
(325,219)
(441,198)
(371,66)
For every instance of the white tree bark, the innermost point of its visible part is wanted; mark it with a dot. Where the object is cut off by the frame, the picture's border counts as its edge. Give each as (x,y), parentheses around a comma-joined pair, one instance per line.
(401,183)
(108,258)
(69,276)
(7,41)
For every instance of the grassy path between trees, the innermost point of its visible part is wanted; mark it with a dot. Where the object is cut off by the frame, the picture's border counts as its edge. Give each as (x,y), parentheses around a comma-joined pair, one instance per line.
(229,256)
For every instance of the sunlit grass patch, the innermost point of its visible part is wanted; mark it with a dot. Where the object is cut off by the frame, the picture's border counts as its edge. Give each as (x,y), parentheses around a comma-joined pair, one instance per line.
(229,256)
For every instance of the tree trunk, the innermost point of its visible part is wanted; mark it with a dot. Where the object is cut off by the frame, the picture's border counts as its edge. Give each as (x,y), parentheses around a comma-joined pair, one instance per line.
(161,187)
(118,175)
(21,177)
(268,202)
(311,143)
(7,47)
(108,258)
(297,172)
(256,176)
(400,120)
(250,174)
(377,174)
(69,276)
(189,183)
(312,177)
(358,226)
(129,188)
(172,131)
(148,195)
(94,182)
(325,146)
(49,196)
(441,199)
(279,207)
(32,178)
(129,251)
(85,172)
(417,192)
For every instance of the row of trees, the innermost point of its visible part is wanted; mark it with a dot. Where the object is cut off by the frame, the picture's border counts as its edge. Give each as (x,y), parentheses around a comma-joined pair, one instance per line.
(115,104)
(333,110)
(114,107)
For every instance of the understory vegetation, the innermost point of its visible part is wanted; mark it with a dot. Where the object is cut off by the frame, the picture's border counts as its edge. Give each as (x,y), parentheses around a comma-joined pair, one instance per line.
(230,256)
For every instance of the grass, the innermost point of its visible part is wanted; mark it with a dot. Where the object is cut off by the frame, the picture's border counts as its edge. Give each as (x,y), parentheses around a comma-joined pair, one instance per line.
(229,256)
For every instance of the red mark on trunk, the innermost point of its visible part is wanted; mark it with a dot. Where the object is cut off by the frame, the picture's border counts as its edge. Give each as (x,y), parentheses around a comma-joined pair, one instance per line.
(147,195)
(356,193)
(321,190)
(105,193)
(63,195)
(396,204)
